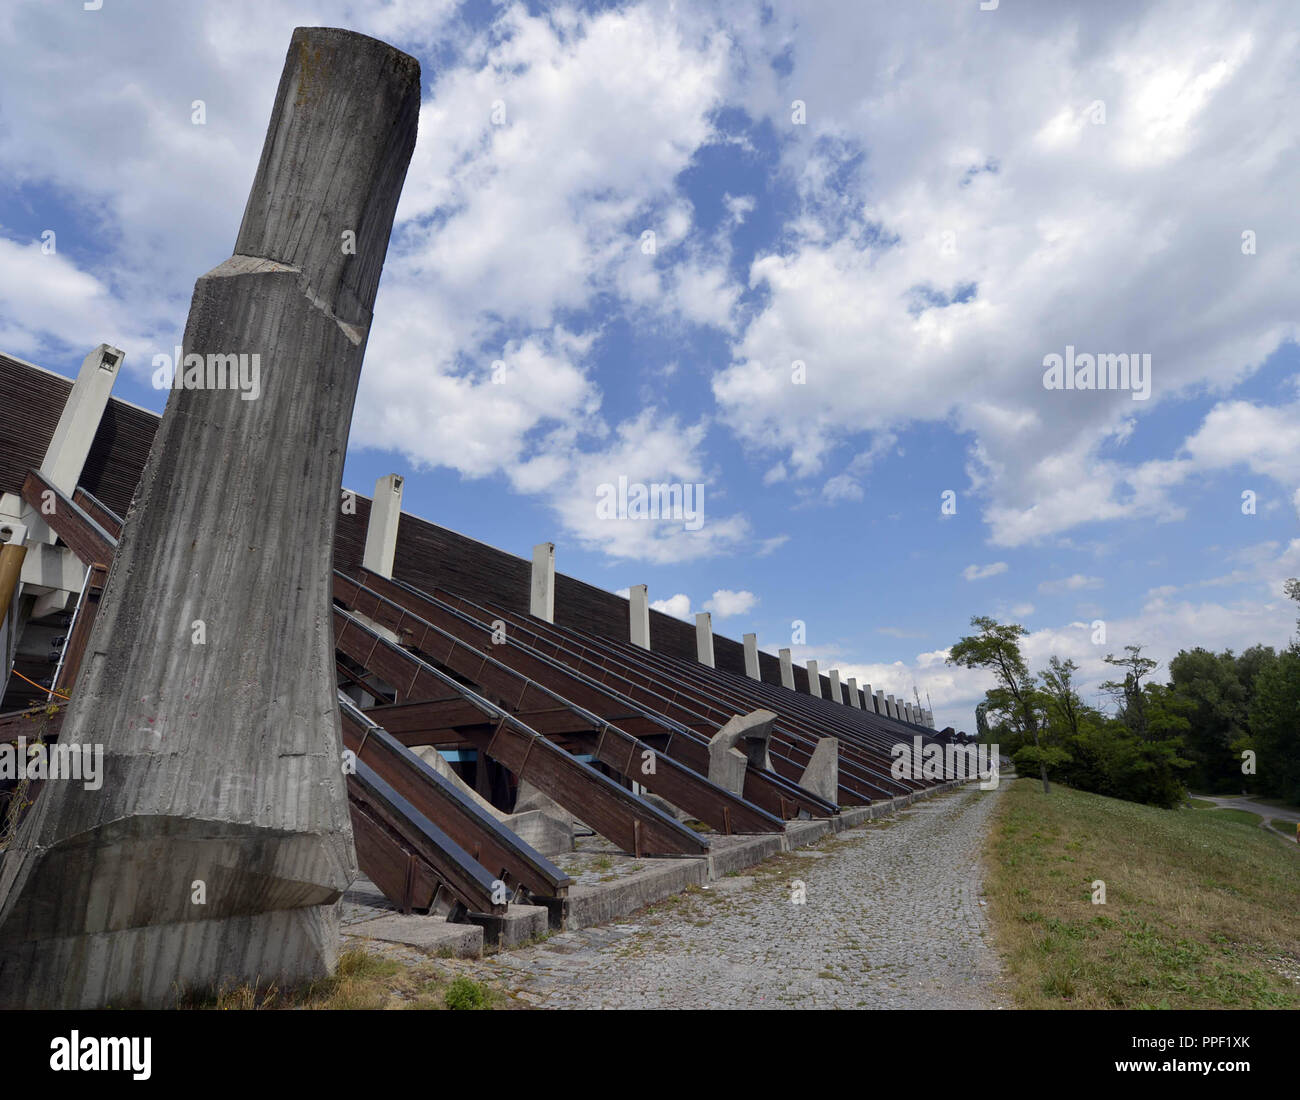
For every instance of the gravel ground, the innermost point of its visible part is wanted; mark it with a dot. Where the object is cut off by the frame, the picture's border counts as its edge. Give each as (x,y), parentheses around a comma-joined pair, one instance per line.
(892,918)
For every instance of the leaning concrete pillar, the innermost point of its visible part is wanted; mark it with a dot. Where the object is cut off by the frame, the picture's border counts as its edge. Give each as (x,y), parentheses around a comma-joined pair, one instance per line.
(814,680)
(751,657)
(881,706)
(834,677)
(854,701)
(704,638)
(70,445)
(219,843)
(787,670)
(381,531)
(892,706)
(638,604)
(541,596)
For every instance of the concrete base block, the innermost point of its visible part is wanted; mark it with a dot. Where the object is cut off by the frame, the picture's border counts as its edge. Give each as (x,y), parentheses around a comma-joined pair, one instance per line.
(735,853)
(799,833)
(519,925)
(549,835)
(462,941)
(606,902)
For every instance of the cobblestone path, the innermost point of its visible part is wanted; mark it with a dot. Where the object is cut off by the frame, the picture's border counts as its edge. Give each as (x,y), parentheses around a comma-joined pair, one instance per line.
(893,918)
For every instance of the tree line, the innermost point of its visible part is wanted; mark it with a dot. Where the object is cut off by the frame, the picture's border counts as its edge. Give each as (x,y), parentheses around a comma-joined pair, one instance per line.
(1219,722)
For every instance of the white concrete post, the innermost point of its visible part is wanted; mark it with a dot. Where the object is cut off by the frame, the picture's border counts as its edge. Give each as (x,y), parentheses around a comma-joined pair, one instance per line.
(541,593)
(638,602)
(881,706)
(868,700)
(787,670)
(853,693)
(892,706)
(751,657)
(814,680)
(704,638)
(381,531)
(66,455)
(836,694)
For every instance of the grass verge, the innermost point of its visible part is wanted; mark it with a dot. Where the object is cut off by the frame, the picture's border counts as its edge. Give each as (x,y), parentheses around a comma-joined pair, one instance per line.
(1200,907)
(362,981)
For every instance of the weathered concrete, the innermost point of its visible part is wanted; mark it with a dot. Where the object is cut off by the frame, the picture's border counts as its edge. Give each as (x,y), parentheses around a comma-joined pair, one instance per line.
(855,700)
(834,677)
(822,775)
(519,924)
(220,842)
(638,609)
(665,877)
(704,638)
(545,833)
(814,679)
(881,706)
(750,732)
(751,657)
(541,593)
(787,670)
(439,937)
(381,530)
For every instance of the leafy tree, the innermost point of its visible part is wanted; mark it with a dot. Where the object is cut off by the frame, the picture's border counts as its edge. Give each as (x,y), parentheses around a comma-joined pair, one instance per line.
(1275,726)
(1062,702)
(1128,692)
(1016,699)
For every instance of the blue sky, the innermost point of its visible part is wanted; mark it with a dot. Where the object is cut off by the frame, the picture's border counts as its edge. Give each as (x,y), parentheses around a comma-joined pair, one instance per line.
(960,194)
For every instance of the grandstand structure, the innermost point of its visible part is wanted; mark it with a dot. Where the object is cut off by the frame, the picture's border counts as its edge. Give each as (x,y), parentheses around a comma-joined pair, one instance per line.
(524,680)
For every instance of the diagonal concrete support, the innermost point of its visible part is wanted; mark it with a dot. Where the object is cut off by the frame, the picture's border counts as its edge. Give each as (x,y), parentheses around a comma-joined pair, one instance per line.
(219,843)
(822,775)
(741,742)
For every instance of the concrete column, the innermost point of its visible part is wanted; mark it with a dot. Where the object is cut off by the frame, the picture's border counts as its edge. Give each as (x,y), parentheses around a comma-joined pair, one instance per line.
(853,693)
(66,455)
(814,680)
(541,594)
(868,700)
(704,638)
(751,657)
(638,603)
(381,531)
(222,758)
(787,670)
(891,706)
(836,694)
(881,706)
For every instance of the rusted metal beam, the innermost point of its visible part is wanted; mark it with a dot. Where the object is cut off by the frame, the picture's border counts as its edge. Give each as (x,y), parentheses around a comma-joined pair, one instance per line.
(615,813)
(84,537)
(524,684)
(486,839)
(546,684)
